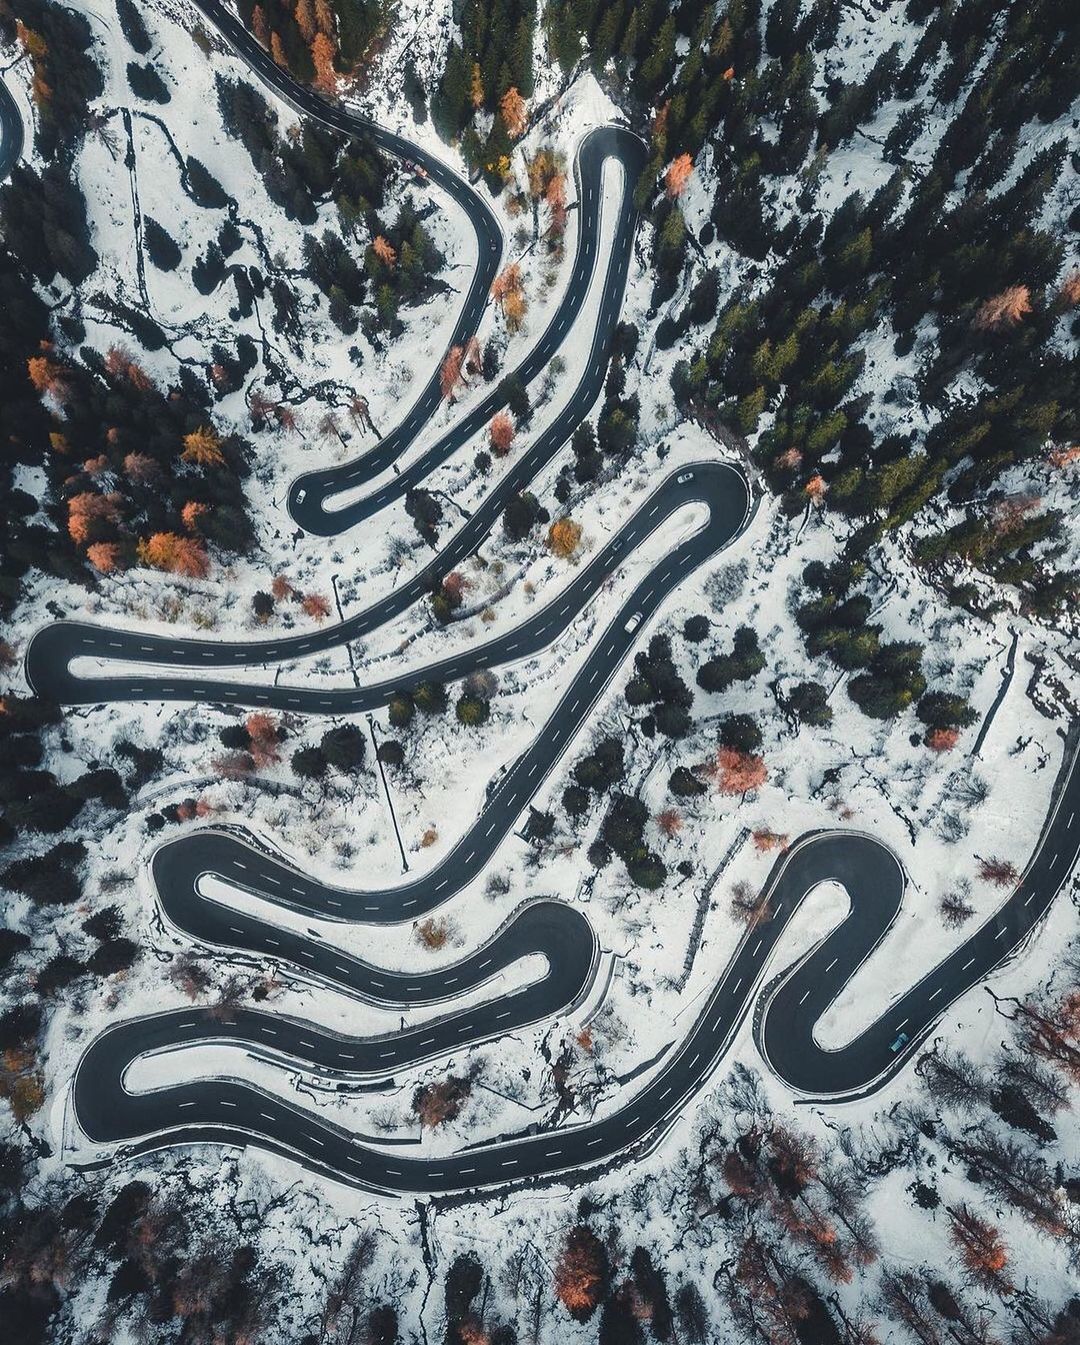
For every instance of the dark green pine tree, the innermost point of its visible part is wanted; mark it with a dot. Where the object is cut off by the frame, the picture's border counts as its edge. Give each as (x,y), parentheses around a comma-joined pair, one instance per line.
(659,65)
(450,105)
(782,30)
(521,55)
(607,35)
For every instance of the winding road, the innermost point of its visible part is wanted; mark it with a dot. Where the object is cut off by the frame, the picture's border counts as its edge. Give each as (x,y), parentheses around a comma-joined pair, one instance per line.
(233,1112)
(185,869)
(11,132)
(309,511)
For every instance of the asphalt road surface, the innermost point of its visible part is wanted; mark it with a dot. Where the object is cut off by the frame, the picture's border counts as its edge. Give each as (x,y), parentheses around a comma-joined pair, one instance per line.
(718,486)
(556,932)
(11,132)
(308,495)
(309,512)
(53,647)
(229,1111)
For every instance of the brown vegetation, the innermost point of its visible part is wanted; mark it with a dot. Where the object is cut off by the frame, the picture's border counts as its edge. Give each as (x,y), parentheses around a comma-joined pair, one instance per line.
(437,1103)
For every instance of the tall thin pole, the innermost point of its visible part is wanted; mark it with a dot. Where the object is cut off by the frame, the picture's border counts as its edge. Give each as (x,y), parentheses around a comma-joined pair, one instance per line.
(386,788)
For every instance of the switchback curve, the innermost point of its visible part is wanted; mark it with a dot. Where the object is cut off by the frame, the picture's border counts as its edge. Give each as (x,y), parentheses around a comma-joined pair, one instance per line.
(489,240)
(231,1112)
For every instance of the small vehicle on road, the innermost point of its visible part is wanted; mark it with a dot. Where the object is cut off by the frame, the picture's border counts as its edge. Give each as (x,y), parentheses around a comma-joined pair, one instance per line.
(683,477)
(301,495)
(634,622)
(900,1042)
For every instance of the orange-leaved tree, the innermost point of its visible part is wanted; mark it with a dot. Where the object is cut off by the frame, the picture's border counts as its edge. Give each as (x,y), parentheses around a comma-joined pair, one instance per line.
(564,538)
(679,173)
(263,732)
(738,772)
(1064,455)
(501,433)
(105,557)
(981,1247)
(450,373)
(1069,294)
(141,468)
(816,488)
(92,517)
(304,14)
(512,108)
(506,284)
(203,447)
(323,56)
(581,1273)
(384,250)
(259,26)
(192,511)
(175,555)
(46,375)
(1003,310)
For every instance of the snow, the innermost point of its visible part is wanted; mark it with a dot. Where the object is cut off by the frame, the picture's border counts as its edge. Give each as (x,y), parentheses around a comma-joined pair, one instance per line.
(858,773)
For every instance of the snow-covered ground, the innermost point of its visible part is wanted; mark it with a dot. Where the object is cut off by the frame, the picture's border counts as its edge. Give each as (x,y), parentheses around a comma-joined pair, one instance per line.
(940,812)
